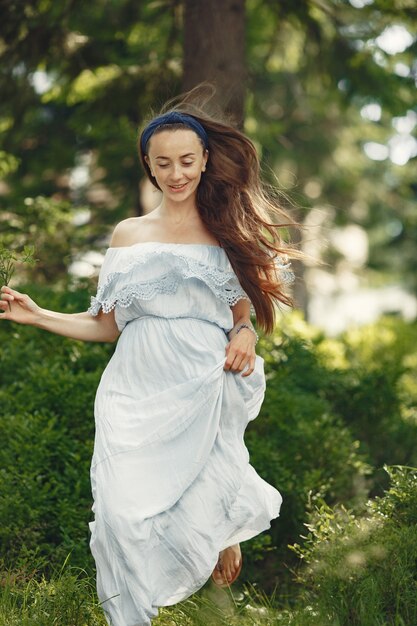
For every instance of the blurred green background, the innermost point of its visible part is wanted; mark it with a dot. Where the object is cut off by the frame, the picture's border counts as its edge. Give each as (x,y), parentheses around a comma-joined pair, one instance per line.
(327,91)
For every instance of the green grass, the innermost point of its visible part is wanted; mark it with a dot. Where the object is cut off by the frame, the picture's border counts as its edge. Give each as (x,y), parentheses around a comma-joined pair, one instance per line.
(68,599)
(361,570)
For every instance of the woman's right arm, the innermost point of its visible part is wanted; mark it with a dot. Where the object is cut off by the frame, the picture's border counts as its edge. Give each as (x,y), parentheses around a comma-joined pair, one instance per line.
(81,326)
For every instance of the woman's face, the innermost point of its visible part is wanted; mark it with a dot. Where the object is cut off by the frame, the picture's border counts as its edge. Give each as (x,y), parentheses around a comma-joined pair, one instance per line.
(176,159)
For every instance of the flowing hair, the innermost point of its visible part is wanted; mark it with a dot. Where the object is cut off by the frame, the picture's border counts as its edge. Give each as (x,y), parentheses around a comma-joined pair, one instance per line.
(239,211)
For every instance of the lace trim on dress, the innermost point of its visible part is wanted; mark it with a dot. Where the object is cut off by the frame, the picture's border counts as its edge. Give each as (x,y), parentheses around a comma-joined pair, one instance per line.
(284,271)
(123,286)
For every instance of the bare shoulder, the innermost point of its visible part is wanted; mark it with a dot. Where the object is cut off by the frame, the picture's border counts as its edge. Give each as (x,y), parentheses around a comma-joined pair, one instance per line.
(127,232)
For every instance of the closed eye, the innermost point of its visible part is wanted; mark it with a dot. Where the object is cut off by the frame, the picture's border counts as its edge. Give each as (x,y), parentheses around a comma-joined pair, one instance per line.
(185,164)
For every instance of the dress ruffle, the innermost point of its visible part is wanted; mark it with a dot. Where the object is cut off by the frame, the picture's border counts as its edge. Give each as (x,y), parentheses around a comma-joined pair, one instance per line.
(283,269)
(161,271)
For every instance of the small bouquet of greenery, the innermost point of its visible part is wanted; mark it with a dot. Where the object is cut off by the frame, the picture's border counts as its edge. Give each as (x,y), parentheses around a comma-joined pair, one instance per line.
(8,262)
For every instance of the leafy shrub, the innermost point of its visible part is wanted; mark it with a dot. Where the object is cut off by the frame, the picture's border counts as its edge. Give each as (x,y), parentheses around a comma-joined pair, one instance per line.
(379,399)
(299,444)
(47,390)
(369,376)
(336,410)
(361,571)
(44,504)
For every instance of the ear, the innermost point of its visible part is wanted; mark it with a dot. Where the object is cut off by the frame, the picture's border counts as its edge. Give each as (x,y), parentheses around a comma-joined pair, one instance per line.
(205,159)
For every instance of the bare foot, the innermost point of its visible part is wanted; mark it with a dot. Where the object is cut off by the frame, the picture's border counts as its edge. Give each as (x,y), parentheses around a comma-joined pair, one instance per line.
(228,564)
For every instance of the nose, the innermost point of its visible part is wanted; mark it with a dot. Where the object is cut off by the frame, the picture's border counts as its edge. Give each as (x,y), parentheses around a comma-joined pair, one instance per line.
(176,173)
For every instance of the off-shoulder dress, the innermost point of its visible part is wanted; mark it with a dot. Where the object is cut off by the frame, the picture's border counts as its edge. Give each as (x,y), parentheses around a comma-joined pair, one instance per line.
(171,479)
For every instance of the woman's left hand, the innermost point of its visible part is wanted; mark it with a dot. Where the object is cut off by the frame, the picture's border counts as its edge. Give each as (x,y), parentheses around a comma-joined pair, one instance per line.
(240,352)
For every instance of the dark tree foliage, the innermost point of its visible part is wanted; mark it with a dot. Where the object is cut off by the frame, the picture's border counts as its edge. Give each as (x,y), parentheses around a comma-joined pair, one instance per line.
(77,79)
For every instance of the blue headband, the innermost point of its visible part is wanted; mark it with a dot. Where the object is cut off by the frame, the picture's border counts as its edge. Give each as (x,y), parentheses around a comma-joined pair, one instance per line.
(173,117)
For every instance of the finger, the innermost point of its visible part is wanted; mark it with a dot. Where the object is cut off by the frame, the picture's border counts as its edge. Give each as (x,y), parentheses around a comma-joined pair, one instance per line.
(229,363)
(238,363)
(4,309)
(13,292)
(239,366)
(251,367)
(233,359)
(7,296)
(248,372)
(231,355)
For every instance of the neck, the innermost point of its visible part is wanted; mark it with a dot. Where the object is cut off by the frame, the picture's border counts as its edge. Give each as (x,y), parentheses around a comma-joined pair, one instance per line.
(176,212)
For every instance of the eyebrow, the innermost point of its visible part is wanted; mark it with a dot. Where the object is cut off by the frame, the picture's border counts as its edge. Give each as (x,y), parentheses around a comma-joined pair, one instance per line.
(183,156)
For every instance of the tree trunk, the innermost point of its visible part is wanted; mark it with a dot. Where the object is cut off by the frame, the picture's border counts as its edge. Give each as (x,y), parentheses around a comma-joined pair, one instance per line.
(214,51)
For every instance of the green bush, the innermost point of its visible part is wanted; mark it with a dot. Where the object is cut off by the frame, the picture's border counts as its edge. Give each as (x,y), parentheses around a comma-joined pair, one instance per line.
(361,571)
(47,390)
(378,397)
(299,444)
(336,410)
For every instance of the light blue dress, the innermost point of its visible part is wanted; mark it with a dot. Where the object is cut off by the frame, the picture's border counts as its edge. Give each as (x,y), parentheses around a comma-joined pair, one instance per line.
(171,479)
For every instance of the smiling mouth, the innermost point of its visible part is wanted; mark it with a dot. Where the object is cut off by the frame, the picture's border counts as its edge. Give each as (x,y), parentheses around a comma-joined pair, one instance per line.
(177,187)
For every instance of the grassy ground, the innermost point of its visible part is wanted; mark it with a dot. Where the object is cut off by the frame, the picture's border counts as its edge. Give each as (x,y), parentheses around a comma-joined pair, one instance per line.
(68,599)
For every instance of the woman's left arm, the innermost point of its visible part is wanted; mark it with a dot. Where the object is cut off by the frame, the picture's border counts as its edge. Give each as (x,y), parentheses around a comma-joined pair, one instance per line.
(240,351)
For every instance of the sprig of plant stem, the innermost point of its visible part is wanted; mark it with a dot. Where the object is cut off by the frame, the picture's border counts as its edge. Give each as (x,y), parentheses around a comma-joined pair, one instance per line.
(9,259)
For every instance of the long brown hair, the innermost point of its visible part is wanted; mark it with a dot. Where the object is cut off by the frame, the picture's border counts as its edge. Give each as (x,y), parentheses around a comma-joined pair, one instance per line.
(237,209)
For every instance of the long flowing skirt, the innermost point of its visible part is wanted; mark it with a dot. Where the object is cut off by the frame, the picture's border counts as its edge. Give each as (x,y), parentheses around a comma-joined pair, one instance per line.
(171,479)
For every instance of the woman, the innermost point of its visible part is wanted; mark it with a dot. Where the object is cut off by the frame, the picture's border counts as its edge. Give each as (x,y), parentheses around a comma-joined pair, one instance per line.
(174,493)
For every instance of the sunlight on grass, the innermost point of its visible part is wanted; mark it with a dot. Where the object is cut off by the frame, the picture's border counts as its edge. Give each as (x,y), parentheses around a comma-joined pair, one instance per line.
(69,599)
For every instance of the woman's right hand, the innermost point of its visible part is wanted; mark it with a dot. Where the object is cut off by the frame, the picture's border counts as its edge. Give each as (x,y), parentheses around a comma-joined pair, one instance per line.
(22,309)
